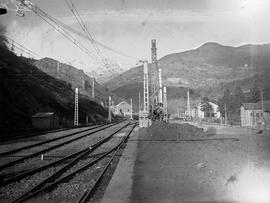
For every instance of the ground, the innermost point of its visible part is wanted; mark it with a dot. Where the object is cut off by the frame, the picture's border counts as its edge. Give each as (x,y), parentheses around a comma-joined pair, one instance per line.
(223,164)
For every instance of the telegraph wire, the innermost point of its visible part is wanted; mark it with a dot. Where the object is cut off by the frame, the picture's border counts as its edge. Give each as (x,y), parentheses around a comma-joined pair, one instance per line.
(72,7)
(43,15)
(21,47)
(76,14)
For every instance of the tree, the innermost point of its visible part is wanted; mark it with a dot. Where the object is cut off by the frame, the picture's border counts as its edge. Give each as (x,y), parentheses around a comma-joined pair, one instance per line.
(238,98)
(255,95)
(206,107)
(225,100)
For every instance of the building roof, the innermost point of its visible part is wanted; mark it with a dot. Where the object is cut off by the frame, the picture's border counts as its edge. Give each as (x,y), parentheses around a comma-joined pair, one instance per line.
(257,106)
(43,114)
(122,102)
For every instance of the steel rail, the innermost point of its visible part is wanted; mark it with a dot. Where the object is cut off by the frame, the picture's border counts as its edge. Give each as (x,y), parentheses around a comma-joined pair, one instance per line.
(45,142)
(12,163)
(90,192)
(41,187)
(6,139)
(36,170)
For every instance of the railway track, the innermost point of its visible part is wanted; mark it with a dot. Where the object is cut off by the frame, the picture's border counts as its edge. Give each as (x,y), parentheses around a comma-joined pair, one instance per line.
(45,142)
(89,193)
(6,139)
(47,149)
(65,173)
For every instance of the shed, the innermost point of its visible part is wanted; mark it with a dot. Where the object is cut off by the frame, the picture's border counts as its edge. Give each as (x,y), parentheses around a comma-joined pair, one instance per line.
(45,120)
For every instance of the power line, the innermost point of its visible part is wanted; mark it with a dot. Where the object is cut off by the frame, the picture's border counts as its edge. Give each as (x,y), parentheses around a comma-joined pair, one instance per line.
(60,28)
(72,7)
(43,15)
(23,48)
(63,25)
(76,14)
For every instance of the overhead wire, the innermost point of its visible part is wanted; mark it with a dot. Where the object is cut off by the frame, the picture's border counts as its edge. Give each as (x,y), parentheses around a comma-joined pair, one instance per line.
(90,38)
(82,24)
(43,15)
(78,33)
(62,29)
(21,47)
(97,42)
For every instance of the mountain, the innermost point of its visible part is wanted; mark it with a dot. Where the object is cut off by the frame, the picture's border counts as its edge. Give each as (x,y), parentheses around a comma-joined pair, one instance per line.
(26,90)
(76,77)
(206,66)
(207,70)
(103,72)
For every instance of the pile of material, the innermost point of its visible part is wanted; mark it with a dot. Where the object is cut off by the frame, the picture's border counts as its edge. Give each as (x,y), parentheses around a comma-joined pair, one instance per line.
(164,131)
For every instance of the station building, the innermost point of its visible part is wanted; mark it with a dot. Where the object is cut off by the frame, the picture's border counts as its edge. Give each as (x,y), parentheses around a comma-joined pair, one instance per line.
(122,109)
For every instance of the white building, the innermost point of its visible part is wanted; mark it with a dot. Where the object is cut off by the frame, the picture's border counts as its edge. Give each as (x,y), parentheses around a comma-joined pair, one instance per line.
(215,112)
(122,109)
(255,114)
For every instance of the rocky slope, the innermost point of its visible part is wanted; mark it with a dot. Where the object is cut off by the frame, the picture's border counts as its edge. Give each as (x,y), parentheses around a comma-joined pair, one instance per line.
(26,90)
(76,77)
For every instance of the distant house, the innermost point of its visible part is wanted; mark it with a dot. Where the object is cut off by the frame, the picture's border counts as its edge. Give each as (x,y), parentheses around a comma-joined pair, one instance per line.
(122,109)
(255,114)
(215,112)
(47,120)
(193,112)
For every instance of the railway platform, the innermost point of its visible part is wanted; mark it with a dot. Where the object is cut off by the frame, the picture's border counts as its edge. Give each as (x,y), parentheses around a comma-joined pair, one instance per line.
(209,169)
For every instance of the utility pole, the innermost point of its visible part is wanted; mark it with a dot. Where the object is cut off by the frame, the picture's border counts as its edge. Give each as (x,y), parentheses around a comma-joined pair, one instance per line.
(139,101)
(109,110)
(76,109)
(93,88)
(262,103)
(225,108)
(57,70)
(165,103)
(154,74)
(188,103)
(160,85)
(158,69)
(131,116)
(146,87)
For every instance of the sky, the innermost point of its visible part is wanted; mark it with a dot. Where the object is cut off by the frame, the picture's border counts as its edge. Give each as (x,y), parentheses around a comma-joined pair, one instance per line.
(129,25)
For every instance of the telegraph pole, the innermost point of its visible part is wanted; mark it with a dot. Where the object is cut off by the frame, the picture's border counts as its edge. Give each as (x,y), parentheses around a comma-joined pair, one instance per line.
(146,87)
(57,70)
(188,103)
(154,75)
(165,103)
(225,108)
(109,110)
(159,77)
(131,116)
(93,88)
(139,101)
(76,109)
